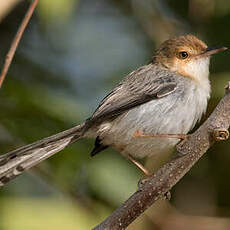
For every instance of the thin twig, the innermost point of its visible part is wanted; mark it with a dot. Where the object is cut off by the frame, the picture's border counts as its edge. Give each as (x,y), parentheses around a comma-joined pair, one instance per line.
(190,150)
(16,41)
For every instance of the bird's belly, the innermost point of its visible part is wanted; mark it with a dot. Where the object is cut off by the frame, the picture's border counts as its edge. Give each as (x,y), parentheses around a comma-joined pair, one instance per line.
(156,117)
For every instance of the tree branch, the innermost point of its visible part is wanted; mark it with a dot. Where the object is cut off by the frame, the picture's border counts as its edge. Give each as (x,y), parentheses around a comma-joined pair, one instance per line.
(188,153)
(14,45)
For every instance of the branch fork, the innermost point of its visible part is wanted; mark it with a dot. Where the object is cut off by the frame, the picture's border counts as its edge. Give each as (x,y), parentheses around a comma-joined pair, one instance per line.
(220,134)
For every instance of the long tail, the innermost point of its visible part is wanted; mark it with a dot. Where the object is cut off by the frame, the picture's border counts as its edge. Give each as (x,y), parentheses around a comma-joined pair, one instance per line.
(14,163)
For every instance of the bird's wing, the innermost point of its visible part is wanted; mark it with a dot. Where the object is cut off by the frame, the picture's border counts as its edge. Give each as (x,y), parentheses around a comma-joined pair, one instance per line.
(145,84)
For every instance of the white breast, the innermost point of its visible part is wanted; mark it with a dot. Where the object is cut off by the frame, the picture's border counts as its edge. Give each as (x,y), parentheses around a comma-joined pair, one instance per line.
(175,114)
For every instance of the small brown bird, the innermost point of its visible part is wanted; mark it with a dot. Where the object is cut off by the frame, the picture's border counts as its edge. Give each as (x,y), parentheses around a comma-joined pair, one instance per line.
(162,101)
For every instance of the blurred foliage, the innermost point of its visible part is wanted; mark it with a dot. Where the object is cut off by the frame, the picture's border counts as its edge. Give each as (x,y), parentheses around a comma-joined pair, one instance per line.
(71,55)
(56,11)
(48,215)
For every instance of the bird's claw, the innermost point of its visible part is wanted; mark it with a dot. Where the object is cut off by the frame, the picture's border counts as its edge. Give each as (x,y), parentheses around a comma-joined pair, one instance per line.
(167,195)
(142,182)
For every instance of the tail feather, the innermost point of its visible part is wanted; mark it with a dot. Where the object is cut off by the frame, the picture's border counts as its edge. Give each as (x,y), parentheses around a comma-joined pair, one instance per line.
(14,163)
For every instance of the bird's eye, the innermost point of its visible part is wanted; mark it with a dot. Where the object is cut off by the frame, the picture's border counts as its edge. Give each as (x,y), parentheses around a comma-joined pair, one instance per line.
(183,55)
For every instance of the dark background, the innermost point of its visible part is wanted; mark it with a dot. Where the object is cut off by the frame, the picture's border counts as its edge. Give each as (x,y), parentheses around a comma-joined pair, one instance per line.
(73,53)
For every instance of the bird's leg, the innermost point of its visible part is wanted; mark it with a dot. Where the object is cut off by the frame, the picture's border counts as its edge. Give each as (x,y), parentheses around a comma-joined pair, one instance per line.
(139,165)
(140,134)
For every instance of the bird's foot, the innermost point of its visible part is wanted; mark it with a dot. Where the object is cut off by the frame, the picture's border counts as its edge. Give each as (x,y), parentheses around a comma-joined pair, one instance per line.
(142,182)
(139,165)
(167,195)
(141,134)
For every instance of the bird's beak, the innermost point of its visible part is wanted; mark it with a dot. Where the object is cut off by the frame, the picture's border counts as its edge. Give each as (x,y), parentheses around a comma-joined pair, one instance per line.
(212,50)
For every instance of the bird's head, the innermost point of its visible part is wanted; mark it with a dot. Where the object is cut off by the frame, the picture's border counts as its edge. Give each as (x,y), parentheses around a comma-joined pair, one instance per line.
(186,55)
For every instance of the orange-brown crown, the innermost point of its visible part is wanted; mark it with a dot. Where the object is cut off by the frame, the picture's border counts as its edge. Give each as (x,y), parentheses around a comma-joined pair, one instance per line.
(187,56)
(170,49)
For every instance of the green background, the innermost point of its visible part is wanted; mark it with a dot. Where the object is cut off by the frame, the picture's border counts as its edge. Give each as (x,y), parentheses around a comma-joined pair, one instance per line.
(73,53)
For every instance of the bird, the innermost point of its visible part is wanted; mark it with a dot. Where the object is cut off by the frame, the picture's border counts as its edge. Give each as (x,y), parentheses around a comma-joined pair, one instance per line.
(146,114)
